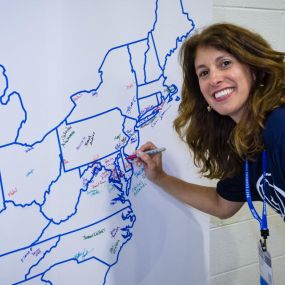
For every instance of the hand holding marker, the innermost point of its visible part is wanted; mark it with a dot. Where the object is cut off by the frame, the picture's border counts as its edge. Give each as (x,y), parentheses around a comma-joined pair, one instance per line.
(151,151)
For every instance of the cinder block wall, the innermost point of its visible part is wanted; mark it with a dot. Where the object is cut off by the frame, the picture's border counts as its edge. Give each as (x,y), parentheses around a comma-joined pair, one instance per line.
(233,242)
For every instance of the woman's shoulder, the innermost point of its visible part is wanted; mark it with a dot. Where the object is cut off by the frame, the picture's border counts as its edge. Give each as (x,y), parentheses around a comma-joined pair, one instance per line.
(274,130)
(276,115)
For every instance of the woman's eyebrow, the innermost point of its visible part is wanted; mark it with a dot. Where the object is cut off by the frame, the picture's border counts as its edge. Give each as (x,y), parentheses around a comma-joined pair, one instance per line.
(200,66)
(216,60)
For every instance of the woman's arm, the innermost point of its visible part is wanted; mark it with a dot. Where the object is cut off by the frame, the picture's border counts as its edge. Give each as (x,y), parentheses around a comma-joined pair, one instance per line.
(203,198)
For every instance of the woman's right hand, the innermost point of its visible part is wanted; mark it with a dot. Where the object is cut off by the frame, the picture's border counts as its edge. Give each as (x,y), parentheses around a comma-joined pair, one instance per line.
(152,163)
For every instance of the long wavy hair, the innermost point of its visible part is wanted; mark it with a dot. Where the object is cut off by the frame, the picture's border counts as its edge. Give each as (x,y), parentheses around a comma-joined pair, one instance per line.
(219,145)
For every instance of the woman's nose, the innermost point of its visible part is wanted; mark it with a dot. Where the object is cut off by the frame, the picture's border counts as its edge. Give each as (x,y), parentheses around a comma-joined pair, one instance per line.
(215,77)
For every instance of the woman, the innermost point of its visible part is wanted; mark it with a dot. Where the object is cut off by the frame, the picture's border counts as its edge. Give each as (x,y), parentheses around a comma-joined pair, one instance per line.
(232,110)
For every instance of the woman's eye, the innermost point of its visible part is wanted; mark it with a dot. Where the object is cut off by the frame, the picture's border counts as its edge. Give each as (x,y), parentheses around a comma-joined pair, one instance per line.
(203,73)
(226,63)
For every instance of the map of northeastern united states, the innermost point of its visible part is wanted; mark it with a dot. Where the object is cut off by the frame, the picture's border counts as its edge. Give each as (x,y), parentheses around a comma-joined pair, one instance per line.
(75,98)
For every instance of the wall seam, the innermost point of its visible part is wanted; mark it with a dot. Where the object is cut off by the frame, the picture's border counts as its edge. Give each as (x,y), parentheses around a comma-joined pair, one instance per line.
(250,8)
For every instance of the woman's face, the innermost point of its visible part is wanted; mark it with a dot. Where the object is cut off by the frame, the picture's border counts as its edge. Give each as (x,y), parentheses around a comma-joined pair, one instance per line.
(224,82)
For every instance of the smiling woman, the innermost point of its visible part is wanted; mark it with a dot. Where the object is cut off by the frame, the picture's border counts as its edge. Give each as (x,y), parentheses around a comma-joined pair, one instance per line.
(238,74)
(232,111)
(224,82)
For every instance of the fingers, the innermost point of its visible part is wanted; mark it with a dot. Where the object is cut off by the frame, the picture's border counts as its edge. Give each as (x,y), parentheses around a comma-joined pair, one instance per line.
(152,162)
(146,159)
(142,152)
(147,146)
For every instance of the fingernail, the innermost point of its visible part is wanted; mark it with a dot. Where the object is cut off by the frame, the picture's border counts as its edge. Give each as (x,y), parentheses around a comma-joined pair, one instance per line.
(139,153)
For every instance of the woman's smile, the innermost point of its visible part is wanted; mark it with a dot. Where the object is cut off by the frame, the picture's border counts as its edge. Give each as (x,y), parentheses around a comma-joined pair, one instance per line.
(223,94)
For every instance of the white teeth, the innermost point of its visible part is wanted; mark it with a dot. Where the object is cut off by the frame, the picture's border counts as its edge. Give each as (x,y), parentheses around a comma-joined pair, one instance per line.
(223,93)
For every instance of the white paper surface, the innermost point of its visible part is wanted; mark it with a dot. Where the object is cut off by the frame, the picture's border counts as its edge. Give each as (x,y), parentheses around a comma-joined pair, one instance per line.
(83,84)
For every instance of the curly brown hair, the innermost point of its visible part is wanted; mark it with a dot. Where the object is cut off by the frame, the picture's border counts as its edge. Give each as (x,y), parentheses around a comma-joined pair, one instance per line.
(219,144)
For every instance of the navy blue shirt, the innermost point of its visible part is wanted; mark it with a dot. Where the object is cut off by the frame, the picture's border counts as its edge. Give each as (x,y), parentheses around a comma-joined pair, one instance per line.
(274,140)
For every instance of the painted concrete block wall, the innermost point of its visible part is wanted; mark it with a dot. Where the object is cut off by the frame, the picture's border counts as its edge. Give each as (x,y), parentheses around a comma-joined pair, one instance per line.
(233,242)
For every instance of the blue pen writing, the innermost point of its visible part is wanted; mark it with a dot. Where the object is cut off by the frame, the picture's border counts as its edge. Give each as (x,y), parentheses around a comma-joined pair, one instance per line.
(151,151)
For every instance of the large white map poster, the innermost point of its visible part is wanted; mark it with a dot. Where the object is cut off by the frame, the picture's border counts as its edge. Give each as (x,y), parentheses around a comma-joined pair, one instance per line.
(83,83)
